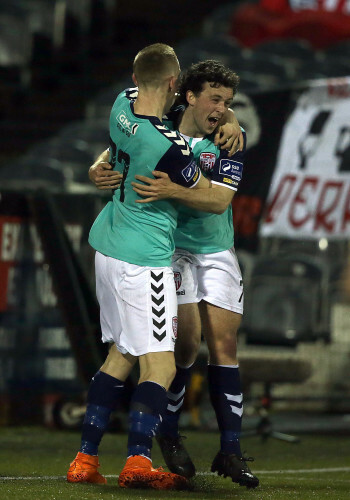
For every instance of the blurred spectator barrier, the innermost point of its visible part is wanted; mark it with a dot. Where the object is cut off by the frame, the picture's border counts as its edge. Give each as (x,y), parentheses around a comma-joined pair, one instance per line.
(296,188)
(49,333)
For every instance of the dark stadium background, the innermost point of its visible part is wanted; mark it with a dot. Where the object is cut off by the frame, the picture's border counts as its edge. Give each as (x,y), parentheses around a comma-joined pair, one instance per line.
(63,87)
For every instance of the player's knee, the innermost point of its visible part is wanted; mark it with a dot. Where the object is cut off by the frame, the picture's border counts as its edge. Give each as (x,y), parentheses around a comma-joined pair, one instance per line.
(186,352)
(163,378)
(223,349)
(160,368)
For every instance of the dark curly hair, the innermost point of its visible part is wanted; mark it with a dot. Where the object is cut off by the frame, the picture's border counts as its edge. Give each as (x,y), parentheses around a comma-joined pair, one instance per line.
(210,71)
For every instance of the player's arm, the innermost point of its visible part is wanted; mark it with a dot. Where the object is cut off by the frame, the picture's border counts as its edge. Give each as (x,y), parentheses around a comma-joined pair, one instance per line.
(178,162)
(102,175)
(229,134)
(209,196)
(204,196)
(214,199)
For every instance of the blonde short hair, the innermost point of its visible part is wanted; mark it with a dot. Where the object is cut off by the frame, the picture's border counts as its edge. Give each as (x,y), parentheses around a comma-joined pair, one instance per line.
(154,63)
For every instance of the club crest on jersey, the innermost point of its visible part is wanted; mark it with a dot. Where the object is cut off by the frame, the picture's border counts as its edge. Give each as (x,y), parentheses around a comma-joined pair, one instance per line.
(189,171)
(174,322)
(207,161)
(125,125)
(177,279)
(231,168)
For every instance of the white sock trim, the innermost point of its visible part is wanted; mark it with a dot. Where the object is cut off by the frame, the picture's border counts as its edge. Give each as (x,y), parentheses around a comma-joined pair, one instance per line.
(156,383)
(185,367)
(140,456)
(224,366)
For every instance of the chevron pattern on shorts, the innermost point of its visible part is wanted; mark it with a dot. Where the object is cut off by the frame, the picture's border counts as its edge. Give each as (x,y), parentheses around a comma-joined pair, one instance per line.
(158,306)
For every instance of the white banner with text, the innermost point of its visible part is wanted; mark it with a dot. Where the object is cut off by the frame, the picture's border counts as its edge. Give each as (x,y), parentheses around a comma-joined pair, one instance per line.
(309,195)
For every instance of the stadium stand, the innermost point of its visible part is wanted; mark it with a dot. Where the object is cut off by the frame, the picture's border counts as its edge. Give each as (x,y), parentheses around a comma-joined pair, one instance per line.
(72,159)
(339,50)
(219,21)
(292,53)
(34,173)
(80,95)
(100,106)
(286,301)
(15,57)
(321,23)
(92,136)
(193,49)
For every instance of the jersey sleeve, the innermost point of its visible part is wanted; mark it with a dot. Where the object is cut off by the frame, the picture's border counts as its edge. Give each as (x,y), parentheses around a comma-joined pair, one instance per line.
(178,162)
(171,119)
(228,171)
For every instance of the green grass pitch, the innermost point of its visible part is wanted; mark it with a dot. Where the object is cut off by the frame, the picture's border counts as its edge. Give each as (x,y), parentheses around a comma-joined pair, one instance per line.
(34,462)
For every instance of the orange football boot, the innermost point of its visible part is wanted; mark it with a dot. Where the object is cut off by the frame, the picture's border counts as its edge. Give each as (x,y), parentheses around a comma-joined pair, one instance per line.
(139,473)
(83,469)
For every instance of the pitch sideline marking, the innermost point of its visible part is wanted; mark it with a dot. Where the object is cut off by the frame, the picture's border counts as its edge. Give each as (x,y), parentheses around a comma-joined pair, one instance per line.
(267,472)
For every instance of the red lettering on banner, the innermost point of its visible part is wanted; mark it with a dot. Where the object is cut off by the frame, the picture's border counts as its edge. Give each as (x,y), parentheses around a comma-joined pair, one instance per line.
(246,211)
(300,199)
(283,192)
(320,206)
(346,214)
(323,213)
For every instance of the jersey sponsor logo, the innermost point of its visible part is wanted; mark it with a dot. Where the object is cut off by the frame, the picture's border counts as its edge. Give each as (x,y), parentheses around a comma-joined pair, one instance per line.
(175,138)
(231,168)
(177,279)
(228,180)
(207,161)
(126,124)
(190,171)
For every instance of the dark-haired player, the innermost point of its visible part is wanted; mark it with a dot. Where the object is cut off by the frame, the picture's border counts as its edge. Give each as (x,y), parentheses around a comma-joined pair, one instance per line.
(209,281)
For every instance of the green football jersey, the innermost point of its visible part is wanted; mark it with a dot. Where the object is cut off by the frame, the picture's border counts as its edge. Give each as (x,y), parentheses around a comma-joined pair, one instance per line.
(203,232)
(141,234)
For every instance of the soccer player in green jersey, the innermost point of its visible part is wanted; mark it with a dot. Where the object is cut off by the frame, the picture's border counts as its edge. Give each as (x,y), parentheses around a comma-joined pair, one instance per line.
(207,275)
(206,271)
(134,280)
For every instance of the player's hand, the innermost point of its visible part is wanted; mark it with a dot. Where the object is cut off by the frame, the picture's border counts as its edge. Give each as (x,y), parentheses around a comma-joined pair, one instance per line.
(104,178)
(154,189)
(229,136)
